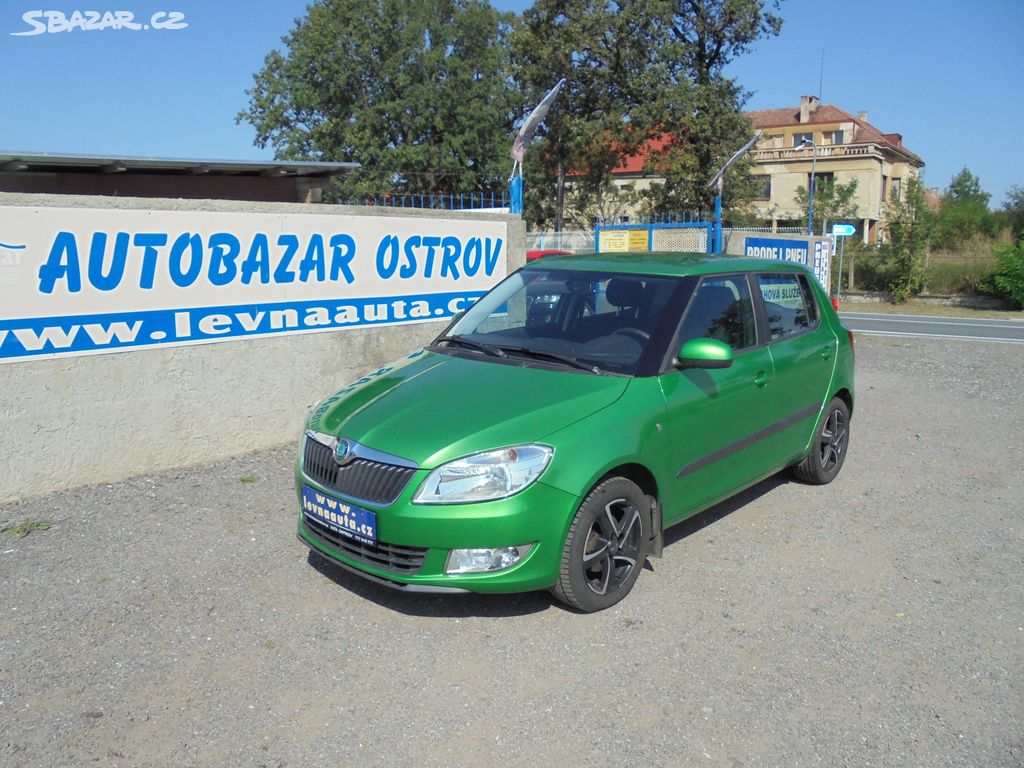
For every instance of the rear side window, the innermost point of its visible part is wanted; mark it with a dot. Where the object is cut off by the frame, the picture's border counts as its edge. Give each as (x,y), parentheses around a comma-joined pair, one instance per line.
(721,309)
(789,304)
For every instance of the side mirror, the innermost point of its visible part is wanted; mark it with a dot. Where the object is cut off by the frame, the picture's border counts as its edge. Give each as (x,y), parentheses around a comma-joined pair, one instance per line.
(704,353)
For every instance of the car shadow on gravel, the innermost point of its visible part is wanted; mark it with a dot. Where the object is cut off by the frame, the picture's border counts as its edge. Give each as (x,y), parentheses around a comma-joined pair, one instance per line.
(713,514)
(437,606)
(524,603)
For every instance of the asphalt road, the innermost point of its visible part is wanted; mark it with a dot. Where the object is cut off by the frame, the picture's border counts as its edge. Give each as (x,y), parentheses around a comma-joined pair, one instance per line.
(877,622)
(935,327)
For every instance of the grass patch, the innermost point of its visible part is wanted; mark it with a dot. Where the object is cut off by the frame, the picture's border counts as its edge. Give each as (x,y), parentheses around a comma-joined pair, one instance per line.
(24,528)
(946,276)
(247,479)
(914,307)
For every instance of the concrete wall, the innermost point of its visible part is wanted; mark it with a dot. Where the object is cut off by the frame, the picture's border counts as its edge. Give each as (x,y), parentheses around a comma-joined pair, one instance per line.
(81,420)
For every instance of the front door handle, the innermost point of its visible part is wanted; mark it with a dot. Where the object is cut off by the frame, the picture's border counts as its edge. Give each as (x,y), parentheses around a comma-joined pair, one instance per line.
(761,378)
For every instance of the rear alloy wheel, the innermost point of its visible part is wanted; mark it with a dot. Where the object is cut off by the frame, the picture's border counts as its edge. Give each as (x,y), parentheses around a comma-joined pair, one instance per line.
(832,437)
(606,546)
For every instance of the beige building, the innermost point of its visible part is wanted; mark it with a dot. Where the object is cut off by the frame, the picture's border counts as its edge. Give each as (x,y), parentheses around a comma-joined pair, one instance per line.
(846,148)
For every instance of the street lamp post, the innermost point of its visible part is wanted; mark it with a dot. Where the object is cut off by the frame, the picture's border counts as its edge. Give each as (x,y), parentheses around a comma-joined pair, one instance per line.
(716,245)
(522,141)
(810,187)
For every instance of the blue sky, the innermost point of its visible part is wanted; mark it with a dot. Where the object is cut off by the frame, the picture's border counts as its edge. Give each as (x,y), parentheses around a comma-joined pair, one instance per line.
(944,74)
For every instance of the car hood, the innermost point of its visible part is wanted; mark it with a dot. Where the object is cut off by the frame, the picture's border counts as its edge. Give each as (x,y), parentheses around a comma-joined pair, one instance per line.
(430,408)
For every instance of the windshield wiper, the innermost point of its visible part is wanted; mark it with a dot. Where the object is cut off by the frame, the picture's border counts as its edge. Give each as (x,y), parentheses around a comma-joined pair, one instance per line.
(487,349)
(555,356)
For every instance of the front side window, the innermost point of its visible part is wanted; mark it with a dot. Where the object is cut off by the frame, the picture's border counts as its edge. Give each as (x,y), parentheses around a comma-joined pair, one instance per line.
(721,310)
(789,304)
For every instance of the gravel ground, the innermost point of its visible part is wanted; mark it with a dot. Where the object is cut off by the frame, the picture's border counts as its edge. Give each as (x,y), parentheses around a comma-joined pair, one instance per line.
(175,620)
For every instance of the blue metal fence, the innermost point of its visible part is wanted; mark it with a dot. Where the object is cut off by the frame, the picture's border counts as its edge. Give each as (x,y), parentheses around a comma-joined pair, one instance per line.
(656,218)
(455,201)
(661,235)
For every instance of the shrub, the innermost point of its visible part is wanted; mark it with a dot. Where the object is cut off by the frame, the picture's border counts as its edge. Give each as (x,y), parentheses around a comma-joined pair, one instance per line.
(1008,278)
(872,270)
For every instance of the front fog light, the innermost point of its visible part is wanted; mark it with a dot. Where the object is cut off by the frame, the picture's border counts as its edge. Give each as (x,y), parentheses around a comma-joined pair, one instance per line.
(485,560)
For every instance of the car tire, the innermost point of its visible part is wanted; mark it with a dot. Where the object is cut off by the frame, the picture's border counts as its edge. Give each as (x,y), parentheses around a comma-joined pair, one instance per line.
(606,546)
(822,463)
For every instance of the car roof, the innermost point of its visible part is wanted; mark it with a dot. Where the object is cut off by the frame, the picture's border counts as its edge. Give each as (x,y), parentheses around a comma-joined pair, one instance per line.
(674,264)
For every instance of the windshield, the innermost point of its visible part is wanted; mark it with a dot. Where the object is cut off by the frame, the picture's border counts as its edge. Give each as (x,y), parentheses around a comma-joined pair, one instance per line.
(596,321)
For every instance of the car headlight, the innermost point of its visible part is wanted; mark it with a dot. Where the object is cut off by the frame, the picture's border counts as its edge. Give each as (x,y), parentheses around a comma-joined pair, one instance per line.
(484,476)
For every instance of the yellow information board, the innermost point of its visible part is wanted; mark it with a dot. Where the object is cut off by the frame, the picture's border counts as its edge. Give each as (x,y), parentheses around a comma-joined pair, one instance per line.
(614,241)
(623,240)
(638,239)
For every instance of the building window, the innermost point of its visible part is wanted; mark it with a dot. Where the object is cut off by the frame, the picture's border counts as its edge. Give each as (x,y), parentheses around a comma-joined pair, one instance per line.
(834,137)
(896,184)
(763,187)
(798,138)
(822,180)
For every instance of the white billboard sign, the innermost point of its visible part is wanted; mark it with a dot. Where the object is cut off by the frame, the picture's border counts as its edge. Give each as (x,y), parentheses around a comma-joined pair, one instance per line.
(76,281)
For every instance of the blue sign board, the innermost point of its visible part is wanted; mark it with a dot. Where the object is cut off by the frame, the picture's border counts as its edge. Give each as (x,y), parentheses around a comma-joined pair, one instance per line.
(786,250)
(791,250)
(843,230)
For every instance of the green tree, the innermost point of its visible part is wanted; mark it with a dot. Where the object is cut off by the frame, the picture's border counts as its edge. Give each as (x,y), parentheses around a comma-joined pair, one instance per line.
(1008,277)
(1013,211)
(963,213)
(598,47)
(639,70)
(909,223)
(418,93)
(965,189)
(695,104)
(833,202)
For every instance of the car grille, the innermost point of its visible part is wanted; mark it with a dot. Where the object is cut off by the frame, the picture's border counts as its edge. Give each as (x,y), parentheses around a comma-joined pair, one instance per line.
(388,557)
(360,479)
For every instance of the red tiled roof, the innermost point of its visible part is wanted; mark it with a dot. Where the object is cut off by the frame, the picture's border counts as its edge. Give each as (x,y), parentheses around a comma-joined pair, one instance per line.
(863,131)
(635,163)
(785,117)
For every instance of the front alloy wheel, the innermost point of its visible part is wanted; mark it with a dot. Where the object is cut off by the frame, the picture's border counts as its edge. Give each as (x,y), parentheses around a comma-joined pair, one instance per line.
(606,546)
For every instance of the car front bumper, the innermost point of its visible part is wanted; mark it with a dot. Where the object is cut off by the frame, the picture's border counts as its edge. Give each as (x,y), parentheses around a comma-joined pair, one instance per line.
(414,540)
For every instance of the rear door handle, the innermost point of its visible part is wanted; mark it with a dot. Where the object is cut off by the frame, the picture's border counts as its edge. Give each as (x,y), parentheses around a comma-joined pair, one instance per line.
(826,353)
(761,378)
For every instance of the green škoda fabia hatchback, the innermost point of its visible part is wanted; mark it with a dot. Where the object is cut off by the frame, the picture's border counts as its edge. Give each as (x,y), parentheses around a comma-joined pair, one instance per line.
(553,432)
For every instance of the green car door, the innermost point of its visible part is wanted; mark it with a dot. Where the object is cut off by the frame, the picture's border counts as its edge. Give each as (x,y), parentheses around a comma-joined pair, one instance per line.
(716,415)
(803,349)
